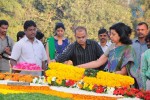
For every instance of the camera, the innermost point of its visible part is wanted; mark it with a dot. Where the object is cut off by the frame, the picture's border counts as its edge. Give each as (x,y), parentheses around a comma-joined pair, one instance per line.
(3,56)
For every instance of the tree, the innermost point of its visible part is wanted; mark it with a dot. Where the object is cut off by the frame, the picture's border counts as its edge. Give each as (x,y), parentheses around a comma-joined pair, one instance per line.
(88,13)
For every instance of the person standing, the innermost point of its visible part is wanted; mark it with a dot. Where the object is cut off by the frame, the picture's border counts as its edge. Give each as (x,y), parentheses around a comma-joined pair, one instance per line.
(29,49)
(6,45)
(56,45)
(139,45)
(20,35)
(145,66)
(103,38)
(83,50)
(120,55)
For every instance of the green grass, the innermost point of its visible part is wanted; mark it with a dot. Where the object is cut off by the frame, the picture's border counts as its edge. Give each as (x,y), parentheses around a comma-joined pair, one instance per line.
(30,96)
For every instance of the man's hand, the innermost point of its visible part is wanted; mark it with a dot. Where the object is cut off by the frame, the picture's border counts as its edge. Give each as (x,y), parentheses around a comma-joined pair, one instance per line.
(7,50)
(69,62)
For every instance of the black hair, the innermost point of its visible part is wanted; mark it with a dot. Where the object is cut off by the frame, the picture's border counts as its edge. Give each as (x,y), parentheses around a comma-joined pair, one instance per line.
(143,23)
(80,28)
(29,23)
(3,22)
(39,35)
(20,34)
(123,31)
(147,38)
(102,30)
(59,25)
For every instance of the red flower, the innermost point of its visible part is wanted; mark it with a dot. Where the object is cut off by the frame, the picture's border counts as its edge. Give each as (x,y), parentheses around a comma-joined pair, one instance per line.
(134,90)
(130,93)
(70,83)
(119,91)
(100,89)
(139,95)
(116,92)
(147,97)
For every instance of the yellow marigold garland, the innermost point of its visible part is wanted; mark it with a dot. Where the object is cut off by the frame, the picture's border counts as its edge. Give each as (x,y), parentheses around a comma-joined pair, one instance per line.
(69,72)
(63,71)
(115,79)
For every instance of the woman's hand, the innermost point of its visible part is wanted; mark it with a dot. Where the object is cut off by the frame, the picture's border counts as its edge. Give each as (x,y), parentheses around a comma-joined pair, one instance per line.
(123,71)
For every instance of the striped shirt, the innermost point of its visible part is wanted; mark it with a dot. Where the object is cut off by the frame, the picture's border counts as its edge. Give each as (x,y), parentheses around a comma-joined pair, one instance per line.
(78,55)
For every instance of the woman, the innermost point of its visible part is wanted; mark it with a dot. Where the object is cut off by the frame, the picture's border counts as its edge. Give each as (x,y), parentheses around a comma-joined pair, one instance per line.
(58,43)
(20,35)
(120,55)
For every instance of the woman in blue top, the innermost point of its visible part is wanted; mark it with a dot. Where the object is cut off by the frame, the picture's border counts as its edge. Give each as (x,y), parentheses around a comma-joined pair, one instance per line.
(58,43)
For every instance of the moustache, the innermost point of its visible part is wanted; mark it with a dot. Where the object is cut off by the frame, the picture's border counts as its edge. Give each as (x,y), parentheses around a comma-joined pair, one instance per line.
(140,33)
(103,39)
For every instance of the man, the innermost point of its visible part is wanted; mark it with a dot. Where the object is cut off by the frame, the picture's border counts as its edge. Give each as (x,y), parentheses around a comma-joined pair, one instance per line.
(82,50)
(103,37)
(139,44)
(6,44)
(145,67)
(29,49)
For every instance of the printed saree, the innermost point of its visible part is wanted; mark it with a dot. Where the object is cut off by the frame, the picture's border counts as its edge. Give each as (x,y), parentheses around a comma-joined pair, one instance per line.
(123,56)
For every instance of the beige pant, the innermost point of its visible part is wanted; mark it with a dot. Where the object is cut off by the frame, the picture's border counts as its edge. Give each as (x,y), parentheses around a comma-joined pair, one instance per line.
(148,84)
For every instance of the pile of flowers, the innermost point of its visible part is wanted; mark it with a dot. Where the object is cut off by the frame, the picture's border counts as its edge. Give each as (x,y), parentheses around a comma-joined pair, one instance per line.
(16,77)
(89,79)
(68,74)
(27,66)
(109,80)
(65,75)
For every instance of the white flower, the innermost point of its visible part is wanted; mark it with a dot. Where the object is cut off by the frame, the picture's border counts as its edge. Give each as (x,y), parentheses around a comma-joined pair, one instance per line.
(54,79)
(110,90)
(35,80)
(40,81)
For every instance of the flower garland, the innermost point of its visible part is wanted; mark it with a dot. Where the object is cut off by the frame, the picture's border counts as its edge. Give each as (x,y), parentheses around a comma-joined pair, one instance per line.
(46,90)
(122,80)
(97,81)
(5,89)
(62,71)
(109,80)
(16,77)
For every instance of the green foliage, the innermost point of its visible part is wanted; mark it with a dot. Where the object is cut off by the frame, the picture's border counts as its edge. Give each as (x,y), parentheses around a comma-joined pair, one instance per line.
(88,13)
(30,96)
(91,72)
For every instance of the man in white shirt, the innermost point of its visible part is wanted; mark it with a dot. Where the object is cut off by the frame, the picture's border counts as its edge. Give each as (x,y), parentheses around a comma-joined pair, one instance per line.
(29,49)
(104,39)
